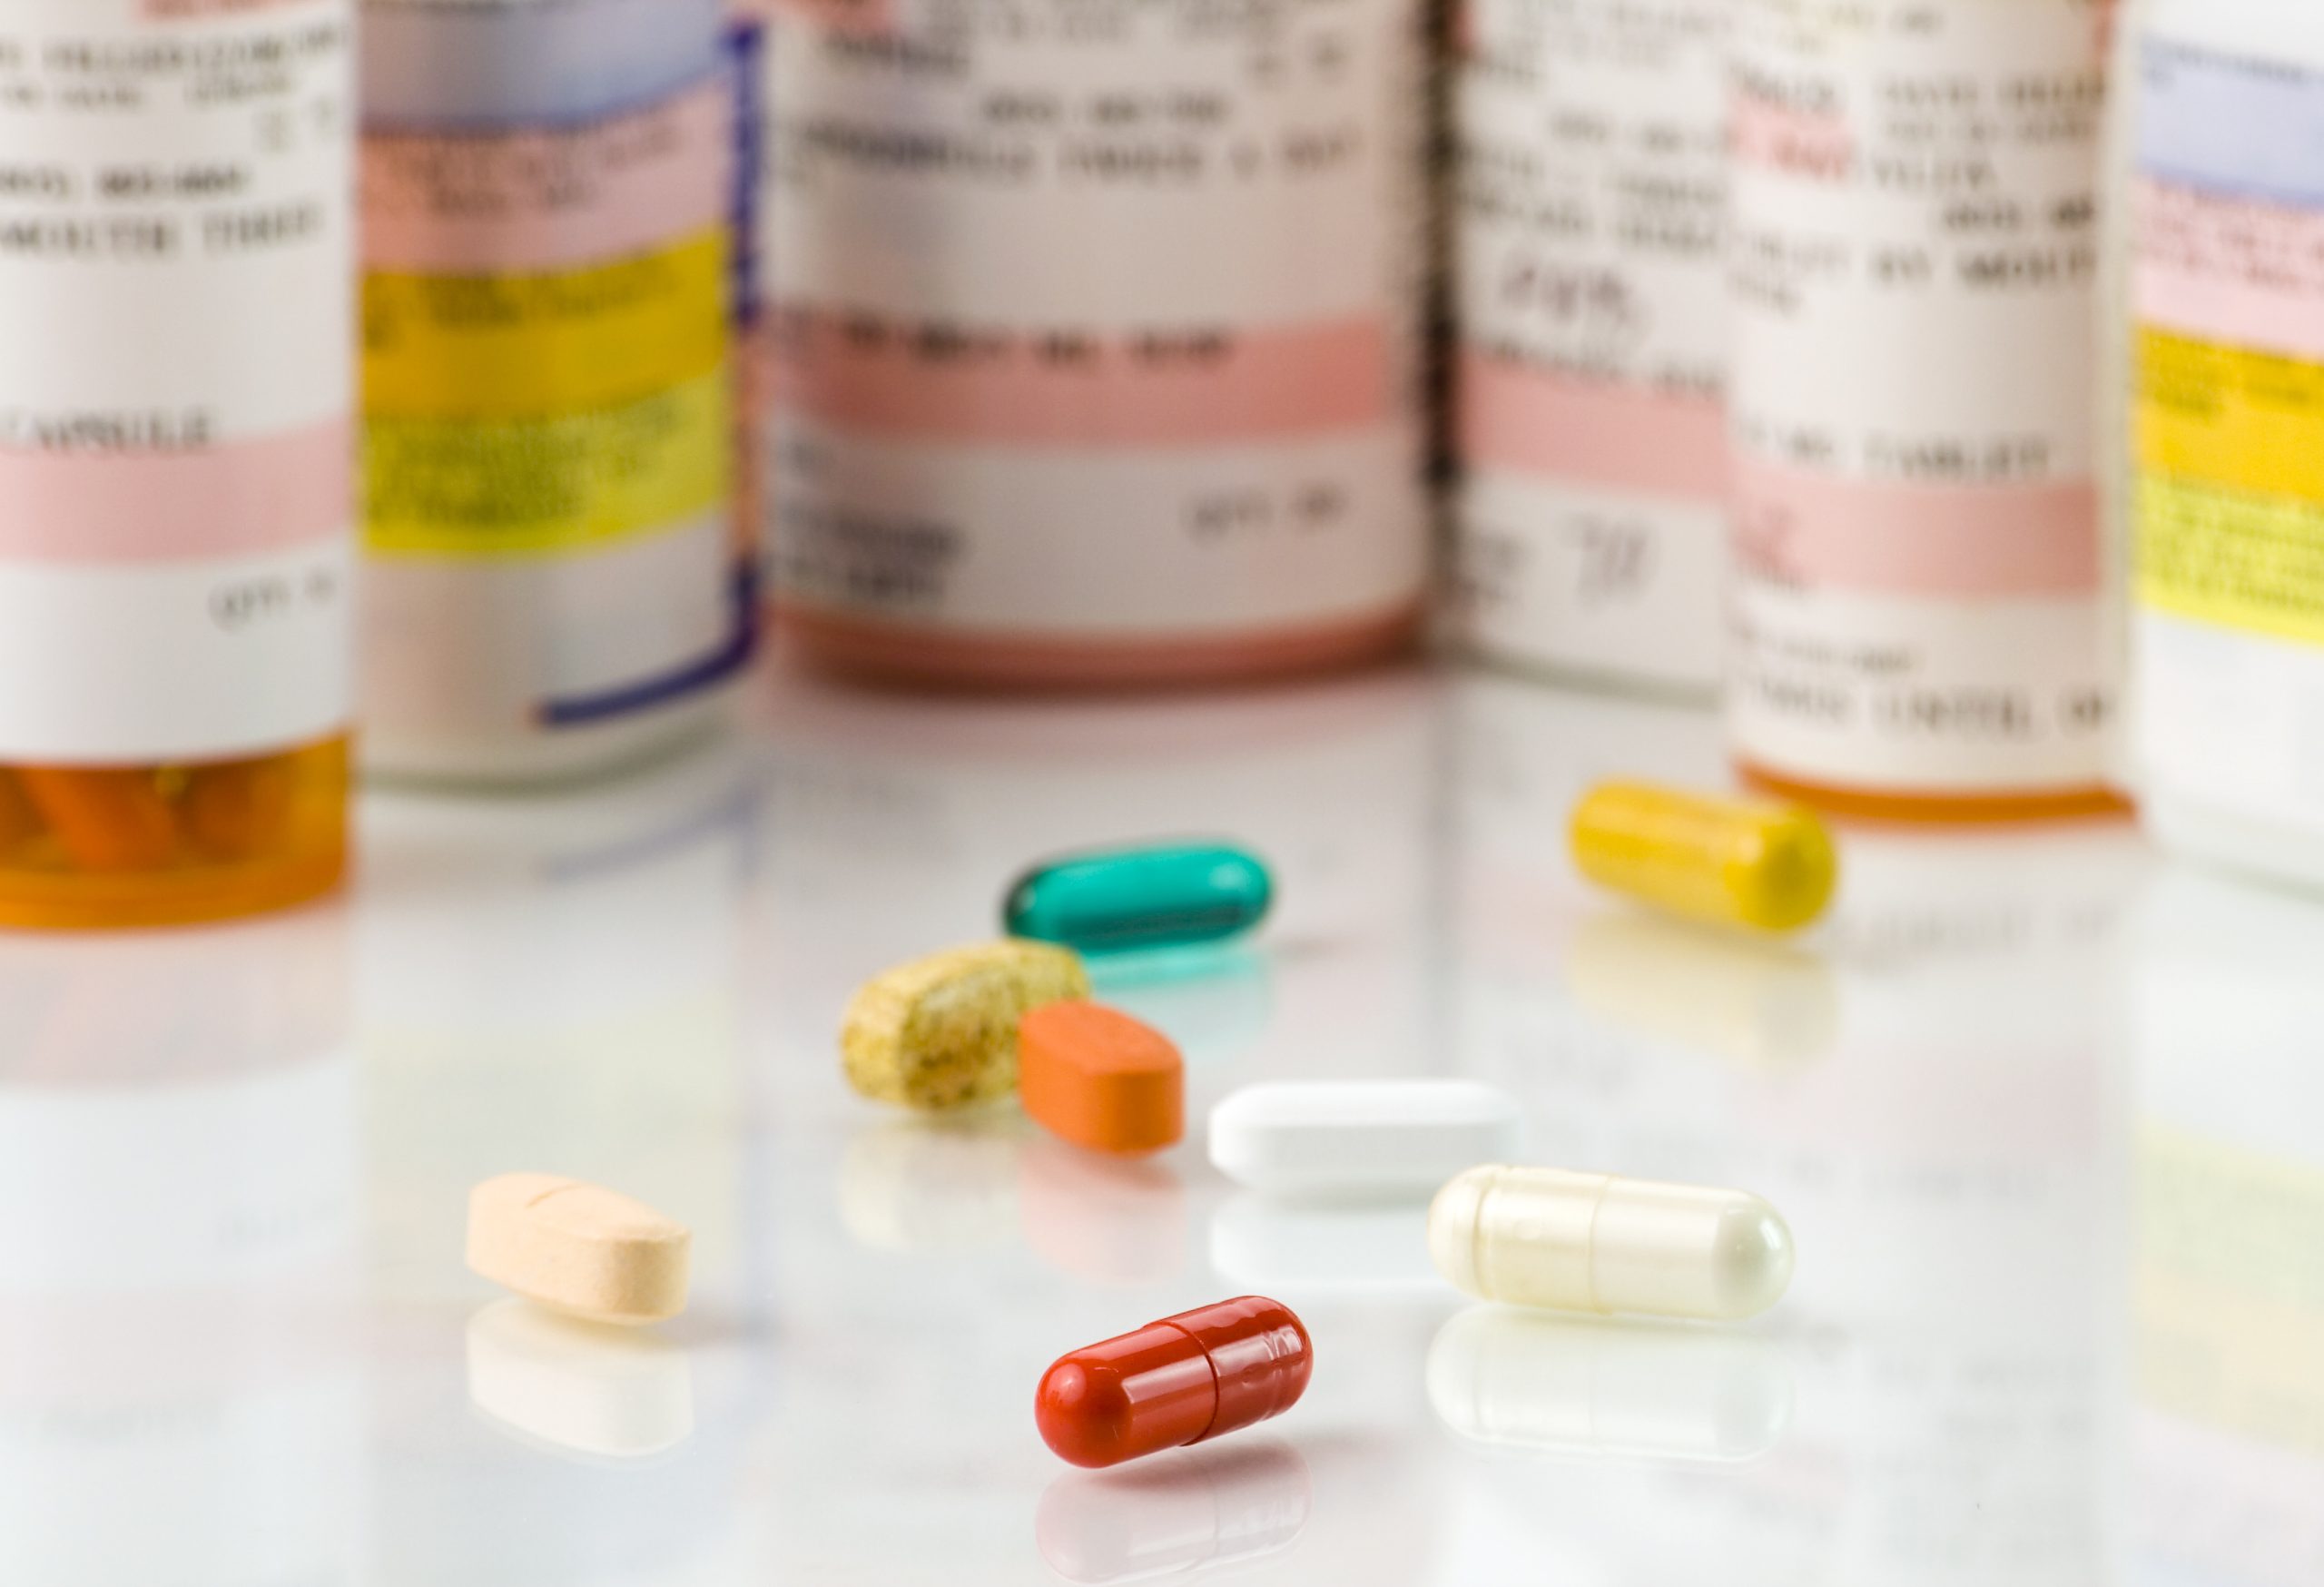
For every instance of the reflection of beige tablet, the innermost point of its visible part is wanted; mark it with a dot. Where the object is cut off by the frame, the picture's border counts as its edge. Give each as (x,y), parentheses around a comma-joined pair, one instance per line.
(578,1387)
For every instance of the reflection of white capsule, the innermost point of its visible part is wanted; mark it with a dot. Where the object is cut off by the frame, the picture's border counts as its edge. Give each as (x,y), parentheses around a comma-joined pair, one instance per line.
(1587,1387)
(1220,1504)
(1762,1005)
(1335,1140)
(1264,1246)
(580,1387)
(1596,1243)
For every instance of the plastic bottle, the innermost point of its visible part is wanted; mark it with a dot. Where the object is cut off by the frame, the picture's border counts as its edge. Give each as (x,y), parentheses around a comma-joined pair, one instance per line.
(175,387)
(2226,507)
(1592,299)
(1919,626)
(1096,338)
(557,582)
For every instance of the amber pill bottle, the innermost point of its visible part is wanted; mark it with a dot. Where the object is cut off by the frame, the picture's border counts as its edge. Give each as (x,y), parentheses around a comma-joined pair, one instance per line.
(175,458)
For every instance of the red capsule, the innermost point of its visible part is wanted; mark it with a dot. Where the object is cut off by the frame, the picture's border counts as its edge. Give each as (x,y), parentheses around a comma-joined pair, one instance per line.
(1179,1381)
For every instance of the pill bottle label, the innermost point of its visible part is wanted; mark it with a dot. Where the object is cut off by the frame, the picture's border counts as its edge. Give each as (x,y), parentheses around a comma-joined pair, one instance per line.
(550,405)
(176,381)
(1590,197)
(1097,319)
(1916,607)
(500,65)
(2228,505)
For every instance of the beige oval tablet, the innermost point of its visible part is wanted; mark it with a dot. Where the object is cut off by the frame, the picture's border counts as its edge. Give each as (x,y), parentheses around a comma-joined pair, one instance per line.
(578,1248)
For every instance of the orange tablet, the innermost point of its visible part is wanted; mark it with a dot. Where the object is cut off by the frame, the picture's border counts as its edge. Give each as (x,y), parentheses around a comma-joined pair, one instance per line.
(1099,1078)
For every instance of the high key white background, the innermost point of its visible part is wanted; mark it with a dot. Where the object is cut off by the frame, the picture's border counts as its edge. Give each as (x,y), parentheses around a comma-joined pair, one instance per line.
(2046,1112)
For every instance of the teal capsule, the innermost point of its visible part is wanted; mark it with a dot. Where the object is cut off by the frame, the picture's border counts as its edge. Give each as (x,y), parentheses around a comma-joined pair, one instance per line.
(1164,895)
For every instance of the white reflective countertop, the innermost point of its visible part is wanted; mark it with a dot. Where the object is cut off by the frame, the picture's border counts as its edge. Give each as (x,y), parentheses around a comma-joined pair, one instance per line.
(2045,1113)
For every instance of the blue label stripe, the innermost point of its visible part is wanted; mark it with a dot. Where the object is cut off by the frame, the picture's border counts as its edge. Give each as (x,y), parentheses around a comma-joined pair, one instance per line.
(2231,127)
(441,68)
(732,655)
(746,49)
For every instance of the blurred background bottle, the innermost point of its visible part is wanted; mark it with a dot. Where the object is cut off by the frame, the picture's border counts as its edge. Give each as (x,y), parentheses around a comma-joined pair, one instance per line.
(1918,616)
(1096,338)
(175,376)
(2225,229)
(552,194)
(1590,186)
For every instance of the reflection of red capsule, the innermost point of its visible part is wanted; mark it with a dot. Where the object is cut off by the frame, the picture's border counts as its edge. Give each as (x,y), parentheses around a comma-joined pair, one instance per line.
(1182,1380)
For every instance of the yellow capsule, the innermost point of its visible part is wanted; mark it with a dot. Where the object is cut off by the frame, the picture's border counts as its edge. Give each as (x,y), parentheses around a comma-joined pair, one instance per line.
(1732,863)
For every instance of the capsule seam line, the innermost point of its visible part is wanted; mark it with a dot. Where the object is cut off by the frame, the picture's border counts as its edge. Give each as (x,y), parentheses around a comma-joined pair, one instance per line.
(1477,1237)
(1218,1389)
(1590,1244)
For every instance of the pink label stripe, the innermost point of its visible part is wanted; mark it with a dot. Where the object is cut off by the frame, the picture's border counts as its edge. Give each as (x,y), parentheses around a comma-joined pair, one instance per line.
(551,199)
(1883,538)
(288,489)
(1782,137)
(1603,434)
(868,18)
(892,379)
(2232,270)
(195,10)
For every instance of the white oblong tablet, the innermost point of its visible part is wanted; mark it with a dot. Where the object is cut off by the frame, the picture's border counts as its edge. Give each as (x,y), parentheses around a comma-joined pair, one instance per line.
(1325,1140)
(1599,1243)
(1586,1387)
(579,1248)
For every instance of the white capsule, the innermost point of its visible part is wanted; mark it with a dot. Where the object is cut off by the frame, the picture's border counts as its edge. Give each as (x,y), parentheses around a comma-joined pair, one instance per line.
(1596,1242)
(1334,1139)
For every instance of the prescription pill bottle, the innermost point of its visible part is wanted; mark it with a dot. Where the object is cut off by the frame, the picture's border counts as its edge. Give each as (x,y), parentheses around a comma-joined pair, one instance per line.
(1590,191)
(1917,621)
(1097,336)
(175,384)
(2226,509)
(556,583)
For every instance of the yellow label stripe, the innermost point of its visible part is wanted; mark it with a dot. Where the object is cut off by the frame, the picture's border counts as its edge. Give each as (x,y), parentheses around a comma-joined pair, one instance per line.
(2229,417)
(517,486)
(2239,561)
(529,346)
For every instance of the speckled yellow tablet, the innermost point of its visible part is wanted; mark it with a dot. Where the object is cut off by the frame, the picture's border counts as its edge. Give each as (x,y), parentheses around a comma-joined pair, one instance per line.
(941,1032)
(579,1248)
